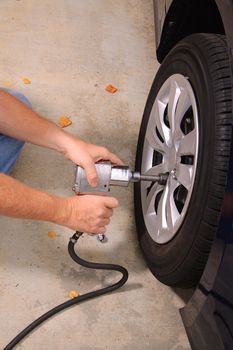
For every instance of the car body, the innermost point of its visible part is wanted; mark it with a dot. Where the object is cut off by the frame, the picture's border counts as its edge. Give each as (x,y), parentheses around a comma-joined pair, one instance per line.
(208,316)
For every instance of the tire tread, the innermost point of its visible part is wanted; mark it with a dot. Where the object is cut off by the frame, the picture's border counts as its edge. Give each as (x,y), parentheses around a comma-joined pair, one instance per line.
(220,70)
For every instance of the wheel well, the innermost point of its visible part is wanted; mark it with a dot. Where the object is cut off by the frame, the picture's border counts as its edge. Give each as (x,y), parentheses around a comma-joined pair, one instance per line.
(187,17)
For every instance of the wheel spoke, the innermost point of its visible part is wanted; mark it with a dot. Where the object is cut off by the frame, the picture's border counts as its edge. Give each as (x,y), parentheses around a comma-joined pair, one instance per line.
(172,213)
(184,174)
(183,105)
(168,214)
(153,139)
(187,144)
(174,94)
(149,201)
(161,213)
(159,108)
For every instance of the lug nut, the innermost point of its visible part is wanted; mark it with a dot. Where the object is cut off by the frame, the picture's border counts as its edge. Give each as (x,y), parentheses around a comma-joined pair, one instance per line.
(173,174)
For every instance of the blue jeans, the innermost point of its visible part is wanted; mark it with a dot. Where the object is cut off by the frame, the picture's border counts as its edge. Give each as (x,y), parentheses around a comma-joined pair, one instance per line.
(10,148)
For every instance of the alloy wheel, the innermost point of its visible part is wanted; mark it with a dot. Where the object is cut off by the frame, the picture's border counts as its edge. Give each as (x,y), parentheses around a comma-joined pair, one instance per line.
(170,146)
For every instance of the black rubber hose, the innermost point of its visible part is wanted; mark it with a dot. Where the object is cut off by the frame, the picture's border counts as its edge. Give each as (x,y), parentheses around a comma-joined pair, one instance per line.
(80,298)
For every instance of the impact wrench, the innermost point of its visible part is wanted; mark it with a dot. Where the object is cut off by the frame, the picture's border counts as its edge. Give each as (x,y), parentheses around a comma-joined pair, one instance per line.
(109,175)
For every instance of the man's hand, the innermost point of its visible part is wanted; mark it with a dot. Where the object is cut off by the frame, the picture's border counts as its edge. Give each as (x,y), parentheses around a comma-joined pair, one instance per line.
(86,154)
(88,213)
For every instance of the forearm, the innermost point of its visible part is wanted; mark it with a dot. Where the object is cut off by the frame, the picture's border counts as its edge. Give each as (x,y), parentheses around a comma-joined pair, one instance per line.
(19,121)
(80,213)
(20,201)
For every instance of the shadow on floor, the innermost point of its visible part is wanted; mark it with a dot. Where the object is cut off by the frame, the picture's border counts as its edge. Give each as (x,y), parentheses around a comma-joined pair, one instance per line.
(184,294)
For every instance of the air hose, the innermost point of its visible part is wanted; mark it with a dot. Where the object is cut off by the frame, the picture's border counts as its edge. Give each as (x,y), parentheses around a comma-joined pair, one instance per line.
(91,265)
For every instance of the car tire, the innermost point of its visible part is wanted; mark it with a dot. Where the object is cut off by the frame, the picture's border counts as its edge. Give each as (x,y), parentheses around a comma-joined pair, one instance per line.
(186,133)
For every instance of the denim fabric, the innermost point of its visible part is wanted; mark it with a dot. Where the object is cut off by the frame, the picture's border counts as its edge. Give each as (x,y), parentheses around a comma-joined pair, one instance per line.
(10,148)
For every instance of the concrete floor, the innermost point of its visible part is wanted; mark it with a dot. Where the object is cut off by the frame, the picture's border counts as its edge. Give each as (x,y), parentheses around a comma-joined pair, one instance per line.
(70,50)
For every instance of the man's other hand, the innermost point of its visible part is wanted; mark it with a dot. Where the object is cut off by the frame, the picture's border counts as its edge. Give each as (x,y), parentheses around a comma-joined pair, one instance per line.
(86,213)
(86,155)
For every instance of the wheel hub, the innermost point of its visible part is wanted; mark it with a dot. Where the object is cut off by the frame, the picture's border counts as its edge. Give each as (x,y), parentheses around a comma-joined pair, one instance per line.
(172,159)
